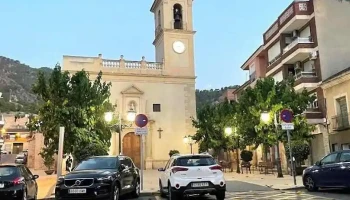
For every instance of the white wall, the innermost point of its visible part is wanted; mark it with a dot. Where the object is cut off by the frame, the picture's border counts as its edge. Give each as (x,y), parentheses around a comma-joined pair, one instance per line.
(333,33)
(274,51)
(278,77)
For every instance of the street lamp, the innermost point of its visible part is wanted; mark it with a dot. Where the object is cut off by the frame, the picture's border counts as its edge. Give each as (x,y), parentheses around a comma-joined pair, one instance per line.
(189,140)
(131,115)
(265,117)
(229,131)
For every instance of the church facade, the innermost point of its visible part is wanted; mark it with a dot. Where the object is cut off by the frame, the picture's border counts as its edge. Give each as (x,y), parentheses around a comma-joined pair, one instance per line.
(163,90)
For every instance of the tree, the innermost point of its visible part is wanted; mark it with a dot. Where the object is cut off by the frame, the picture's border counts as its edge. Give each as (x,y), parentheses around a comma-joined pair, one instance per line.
(210,124)
(301,151)
(78,104)
(272,97)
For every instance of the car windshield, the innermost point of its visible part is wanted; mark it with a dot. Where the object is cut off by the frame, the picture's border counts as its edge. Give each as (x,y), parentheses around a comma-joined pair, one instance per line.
(21,156)
(193,161)
(97,163)
(8,171)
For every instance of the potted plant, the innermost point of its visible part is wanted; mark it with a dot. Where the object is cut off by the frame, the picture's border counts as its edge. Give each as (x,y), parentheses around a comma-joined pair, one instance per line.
(172,152)
(48,161)
(246,156)
(301,152)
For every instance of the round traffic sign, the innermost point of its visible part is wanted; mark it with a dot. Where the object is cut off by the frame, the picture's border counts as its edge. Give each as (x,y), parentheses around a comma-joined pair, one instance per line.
(287,116)
(141,120)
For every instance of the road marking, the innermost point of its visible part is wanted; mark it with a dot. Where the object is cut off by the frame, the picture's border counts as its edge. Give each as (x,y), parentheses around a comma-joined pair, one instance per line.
(257,195)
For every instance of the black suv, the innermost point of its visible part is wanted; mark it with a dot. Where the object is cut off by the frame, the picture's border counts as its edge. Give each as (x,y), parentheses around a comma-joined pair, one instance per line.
(100,177)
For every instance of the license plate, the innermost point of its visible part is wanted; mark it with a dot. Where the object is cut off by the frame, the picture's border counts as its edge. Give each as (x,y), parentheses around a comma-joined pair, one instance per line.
(200,184)
(77,191)
(2,185)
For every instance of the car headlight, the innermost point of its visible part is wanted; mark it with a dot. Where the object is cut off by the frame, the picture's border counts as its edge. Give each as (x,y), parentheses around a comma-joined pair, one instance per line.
(105,179)
(60,180)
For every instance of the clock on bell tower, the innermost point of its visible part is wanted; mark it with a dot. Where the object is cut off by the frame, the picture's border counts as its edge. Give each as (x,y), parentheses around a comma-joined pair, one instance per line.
(174,36)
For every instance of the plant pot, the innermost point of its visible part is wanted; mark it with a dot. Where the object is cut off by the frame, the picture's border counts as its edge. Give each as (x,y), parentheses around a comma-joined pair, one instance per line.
(49,172)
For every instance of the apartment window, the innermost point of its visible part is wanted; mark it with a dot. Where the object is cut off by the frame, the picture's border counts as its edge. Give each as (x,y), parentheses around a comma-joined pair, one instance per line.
(345,146)
(156,107)
(335,147)
(274,52)
(342,112)
(278,77)
(252,72)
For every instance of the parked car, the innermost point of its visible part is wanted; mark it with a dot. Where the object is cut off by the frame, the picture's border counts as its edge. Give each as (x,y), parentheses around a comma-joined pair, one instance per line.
(332,171)
(17,182)
(192,174)
(21,159)
(100,177)
(3,152)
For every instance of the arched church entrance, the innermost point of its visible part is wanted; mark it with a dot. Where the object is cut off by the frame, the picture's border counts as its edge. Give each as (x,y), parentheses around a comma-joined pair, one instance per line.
(131,148)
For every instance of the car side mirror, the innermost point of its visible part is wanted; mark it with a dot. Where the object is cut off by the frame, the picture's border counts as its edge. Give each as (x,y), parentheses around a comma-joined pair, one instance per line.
(318,163)
(161,169)
(35,177)
(122,167)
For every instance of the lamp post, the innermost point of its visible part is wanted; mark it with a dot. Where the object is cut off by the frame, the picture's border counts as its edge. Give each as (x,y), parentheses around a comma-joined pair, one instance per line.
(265,117)
(130,117)
(189,140)
(229,131)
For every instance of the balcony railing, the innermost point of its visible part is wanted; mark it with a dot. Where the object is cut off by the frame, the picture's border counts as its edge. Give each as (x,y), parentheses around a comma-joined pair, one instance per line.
(252,76)
(303,74)
(341,122)
(297,41)
(132,64)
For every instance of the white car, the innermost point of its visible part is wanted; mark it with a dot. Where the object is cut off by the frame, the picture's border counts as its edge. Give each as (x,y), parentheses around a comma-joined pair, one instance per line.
(196,174)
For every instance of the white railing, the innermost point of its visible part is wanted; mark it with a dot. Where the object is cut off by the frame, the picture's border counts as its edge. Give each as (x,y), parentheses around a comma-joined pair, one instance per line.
(132,64)
(298,40)
(111,63)
(305,75)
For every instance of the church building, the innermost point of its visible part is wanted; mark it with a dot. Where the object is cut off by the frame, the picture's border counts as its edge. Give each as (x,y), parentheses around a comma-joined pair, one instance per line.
(163,90)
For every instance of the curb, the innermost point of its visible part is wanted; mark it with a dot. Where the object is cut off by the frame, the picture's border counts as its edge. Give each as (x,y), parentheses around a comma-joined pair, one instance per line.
(143,194)
(291,188)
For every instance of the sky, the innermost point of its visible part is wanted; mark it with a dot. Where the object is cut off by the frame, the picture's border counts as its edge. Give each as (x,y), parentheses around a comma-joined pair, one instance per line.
(39,32)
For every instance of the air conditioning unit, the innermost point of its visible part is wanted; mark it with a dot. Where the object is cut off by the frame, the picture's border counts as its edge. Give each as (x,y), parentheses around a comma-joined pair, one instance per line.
(313,55)
(298,65)
(295,34)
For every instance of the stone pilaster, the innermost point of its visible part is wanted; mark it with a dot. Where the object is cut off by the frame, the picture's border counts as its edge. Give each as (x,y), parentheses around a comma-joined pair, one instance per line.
(149,157)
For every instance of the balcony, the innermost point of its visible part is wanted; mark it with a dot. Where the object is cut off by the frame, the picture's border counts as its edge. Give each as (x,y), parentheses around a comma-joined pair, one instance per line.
(294,17)
(299,49)
(307,80)
(252,77)
(340,122)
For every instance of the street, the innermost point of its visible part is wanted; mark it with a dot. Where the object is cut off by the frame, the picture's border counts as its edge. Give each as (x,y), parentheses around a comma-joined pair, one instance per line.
(241,190)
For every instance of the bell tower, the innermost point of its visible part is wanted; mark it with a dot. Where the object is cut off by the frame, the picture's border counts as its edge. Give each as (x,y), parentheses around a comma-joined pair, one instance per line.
(174,36)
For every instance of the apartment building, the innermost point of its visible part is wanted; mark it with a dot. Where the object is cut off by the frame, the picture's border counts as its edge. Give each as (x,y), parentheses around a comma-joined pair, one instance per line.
(336,91)
(308,41)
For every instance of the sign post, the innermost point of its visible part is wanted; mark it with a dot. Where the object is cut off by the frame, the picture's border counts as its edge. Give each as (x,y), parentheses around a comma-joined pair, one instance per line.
(287,118)
(141,121)
(60,152)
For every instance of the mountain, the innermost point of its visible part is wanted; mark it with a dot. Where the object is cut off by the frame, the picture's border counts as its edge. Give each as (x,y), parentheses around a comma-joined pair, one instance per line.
(204,97)
(16,81)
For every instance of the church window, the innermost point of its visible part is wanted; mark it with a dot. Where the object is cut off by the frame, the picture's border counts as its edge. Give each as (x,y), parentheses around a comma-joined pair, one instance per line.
(156,107)
(159,19)
(178,18)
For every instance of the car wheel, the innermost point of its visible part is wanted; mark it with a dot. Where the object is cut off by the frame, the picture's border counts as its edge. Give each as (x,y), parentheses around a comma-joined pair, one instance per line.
(115,193)
(137,190)
(310,184)
(220,195)
(173,195)
(161,191)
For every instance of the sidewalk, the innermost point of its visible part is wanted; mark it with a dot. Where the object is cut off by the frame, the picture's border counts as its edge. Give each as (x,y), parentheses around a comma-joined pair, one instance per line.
(46,183)
(268,180)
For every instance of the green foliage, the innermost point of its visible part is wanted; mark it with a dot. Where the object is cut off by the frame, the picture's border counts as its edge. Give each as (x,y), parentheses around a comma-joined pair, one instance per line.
(77,104)
(271,97)
(300,150)
(246,155)
(172,152)
(205,97)
(211,122)
(48,157)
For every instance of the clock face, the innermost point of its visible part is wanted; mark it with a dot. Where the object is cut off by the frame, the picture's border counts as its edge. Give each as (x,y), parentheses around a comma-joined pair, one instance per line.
(179,47)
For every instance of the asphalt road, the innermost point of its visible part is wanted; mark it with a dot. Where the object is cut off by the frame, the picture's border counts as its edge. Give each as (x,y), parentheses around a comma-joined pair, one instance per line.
(246,191)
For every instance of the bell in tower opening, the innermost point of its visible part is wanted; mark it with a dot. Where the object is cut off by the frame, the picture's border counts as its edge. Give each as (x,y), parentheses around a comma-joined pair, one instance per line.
(178,24)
